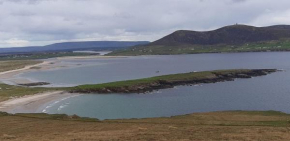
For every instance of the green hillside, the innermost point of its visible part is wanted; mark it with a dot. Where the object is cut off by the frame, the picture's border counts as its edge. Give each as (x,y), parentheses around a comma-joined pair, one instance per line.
(235,38)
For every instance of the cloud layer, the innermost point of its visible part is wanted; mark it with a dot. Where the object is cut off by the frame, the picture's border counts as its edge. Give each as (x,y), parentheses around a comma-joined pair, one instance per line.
(40,22)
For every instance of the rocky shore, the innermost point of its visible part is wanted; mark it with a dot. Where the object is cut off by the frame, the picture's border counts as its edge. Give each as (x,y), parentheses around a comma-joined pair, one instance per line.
(216,76)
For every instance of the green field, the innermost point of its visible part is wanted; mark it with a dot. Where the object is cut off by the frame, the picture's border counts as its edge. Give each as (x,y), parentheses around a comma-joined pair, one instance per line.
(281,45)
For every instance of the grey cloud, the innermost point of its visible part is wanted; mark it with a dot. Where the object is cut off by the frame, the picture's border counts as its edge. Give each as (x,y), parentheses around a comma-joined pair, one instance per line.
(239,0)
(22,1)
(44,21)
(22,13)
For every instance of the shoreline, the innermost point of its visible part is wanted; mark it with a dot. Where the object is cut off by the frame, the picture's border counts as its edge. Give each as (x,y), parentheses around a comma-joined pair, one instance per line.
(11,77)
(89,57)
(47,64)
(32,103)
(11,73)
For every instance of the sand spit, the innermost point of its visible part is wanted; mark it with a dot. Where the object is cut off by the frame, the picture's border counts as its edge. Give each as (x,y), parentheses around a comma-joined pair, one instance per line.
(9,74)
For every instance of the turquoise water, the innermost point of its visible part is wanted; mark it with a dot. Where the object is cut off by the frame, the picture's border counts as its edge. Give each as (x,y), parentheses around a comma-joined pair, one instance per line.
(271,92)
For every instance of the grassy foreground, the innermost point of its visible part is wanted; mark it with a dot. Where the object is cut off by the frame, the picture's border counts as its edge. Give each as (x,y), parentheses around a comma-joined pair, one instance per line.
(235,125)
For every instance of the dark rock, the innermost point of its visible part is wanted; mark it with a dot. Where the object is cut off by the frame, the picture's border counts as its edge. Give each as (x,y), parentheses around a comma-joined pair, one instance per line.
(243,76)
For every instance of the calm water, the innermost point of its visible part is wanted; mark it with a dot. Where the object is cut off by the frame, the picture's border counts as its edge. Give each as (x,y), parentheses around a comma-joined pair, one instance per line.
(108,70)
(270,92)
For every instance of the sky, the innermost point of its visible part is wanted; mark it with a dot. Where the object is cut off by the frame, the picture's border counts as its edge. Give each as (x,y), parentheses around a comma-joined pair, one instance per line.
(42,22)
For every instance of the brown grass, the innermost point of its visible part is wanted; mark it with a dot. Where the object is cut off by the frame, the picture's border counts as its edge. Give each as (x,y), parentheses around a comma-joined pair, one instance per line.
(207,126)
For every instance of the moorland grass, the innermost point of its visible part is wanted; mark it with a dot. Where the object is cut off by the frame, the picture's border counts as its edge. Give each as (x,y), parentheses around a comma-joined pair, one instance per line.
(232,125)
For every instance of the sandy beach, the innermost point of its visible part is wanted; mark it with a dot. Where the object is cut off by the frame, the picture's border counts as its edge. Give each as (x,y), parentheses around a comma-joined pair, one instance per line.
(32,103)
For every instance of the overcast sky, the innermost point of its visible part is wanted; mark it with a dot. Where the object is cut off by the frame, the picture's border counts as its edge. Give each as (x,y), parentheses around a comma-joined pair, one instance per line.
(41,22)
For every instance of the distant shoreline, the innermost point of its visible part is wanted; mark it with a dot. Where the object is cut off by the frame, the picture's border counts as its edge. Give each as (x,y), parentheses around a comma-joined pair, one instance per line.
(89,57)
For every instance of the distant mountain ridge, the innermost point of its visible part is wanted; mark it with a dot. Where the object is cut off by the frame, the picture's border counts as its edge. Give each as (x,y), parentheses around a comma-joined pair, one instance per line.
(73,46)
(233,38)
(235,34)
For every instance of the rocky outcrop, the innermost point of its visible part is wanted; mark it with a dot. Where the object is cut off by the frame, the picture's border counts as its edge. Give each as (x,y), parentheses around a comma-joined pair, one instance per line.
(218,76)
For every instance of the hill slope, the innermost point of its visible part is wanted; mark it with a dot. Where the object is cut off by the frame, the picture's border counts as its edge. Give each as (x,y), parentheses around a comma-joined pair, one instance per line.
(236,34)
(233,38)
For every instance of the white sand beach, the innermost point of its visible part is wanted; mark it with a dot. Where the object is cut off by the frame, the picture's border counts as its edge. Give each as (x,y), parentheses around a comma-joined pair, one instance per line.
(31,103)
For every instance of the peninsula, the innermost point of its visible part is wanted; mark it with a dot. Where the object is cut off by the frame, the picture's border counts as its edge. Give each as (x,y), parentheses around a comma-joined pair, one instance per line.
(169,81)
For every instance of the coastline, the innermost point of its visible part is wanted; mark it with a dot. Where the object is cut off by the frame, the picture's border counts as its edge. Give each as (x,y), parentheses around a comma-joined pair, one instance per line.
(29,103)
(11,73)
(32,103)
(10,77)
(89,57)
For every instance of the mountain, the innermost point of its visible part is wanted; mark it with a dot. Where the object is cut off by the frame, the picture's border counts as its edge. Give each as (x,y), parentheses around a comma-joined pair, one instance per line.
(236,34)
(73,46)
(213,41)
